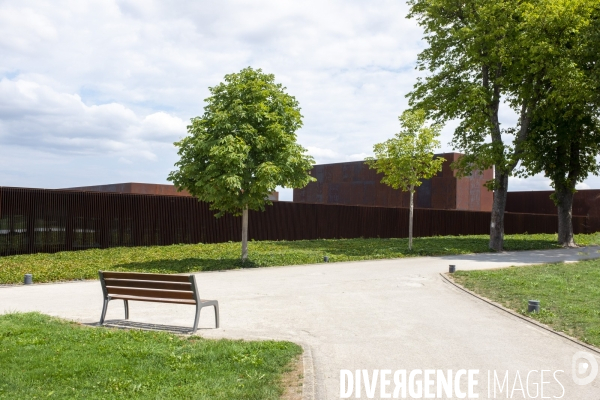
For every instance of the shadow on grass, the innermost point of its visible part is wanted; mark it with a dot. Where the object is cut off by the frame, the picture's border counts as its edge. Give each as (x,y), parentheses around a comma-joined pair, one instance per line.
(168,266)
(422,246)
(511,244)
(128,324)
(367,246)
(305,251)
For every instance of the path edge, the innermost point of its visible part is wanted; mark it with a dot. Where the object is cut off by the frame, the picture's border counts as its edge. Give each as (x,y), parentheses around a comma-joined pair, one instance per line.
(308,380)
(522,317)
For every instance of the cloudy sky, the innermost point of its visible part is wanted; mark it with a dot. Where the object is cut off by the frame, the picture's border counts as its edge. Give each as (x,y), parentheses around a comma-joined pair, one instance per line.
(95,92)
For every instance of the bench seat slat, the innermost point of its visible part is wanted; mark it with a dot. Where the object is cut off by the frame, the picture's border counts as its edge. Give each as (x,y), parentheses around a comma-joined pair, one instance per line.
(156,293)
(152,299)
(140,276)
(149,284)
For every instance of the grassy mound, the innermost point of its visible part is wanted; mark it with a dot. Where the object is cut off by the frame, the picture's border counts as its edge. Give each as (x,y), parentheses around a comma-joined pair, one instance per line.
(44,357)
(569,294)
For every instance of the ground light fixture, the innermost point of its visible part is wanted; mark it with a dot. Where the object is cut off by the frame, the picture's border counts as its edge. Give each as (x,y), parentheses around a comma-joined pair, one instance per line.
(533,306)
(28,279)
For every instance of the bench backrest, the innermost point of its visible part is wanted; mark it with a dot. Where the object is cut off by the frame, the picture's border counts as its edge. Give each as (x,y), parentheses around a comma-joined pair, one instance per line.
(158,286)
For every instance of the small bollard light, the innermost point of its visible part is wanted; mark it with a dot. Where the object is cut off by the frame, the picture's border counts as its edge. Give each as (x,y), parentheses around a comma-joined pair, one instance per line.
(28,279)
(452,269)
(325,259)
(533,306)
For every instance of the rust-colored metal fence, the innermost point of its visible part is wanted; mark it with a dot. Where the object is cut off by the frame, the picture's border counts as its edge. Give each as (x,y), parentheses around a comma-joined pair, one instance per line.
(38,220)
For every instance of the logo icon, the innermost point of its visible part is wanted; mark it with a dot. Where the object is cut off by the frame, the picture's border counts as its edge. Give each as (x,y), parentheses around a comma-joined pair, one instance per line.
(584,368)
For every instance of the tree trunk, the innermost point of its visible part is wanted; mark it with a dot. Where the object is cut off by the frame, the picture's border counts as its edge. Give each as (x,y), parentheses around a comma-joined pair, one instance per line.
(564,202)
(564,189)
(410,218)
(245,235)
(498,207)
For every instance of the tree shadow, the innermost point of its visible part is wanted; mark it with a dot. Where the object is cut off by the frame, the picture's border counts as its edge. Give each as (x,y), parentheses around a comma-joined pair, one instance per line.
(282,252)
(431,245)
(193,264)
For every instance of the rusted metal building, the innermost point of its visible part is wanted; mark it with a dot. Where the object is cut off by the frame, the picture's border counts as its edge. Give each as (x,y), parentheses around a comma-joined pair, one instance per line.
(353,183)
(133,188)
(144,188)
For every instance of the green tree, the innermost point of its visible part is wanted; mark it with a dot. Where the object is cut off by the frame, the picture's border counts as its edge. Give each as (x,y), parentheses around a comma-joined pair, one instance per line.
(243,147)
(565,132)
(482,54)
(408,158)
(564,147)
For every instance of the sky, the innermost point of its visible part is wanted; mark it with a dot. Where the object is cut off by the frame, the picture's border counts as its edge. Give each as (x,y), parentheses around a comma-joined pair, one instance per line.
(96,92)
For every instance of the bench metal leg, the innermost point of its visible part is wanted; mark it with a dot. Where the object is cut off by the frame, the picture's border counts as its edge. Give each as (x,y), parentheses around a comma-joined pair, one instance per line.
(126,303)
(199,308)
(197,319)
(104,308)
(217,314)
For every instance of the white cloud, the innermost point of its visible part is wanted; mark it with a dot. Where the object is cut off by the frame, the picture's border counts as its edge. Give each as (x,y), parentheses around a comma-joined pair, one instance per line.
(99,90)
(582,186)
(537,182)
(162,127)
(357,157)
(119,80)
(23,29)
(323,156)
(36,116)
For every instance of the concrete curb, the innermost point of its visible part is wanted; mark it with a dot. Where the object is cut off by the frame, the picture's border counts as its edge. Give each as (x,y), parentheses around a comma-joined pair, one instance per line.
(308,383)
(522,317)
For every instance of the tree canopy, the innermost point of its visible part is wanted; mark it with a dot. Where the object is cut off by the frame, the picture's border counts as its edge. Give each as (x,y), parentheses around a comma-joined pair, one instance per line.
(482,55)
(565,131)
(243,146)
(408,158)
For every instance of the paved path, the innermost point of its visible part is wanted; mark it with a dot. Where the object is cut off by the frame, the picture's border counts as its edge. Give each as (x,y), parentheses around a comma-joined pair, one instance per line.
(391,314)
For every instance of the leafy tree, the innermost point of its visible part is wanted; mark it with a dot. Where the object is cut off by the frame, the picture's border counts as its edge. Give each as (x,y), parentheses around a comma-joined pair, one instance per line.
(483,54)
(565,131)
(243,147)
(408,158)
(564,148)
(470,62)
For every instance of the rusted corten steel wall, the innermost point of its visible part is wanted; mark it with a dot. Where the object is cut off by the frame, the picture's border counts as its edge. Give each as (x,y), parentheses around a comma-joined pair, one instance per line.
(37,220)
(353,183)
(585,203)
(539,202)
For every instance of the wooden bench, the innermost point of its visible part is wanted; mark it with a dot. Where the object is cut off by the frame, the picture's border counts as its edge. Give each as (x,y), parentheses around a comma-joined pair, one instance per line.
(161,288)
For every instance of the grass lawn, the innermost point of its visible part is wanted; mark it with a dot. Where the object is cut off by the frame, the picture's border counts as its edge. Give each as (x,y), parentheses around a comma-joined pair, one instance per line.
(209,257)
(44,357)
(569,294)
